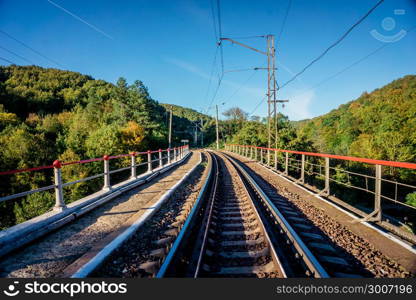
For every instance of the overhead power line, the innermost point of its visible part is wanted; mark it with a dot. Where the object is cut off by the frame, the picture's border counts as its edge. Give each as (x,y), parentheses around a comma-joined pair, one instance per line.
(214,22)
(342,70)
(241,86)
(284,20)
(258,105)
(6,60)
(219,45)
(210,76)
(220,34)
(216,91)
(333,44)
(351,65)
(30,48)
(15,54)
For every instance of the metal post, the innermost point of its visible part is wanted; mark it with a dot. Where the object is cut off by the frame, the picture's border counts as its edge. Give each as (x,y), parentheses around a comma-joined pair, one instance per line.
(174,154)
(268,156)
(377,203)
(275,159)
(107,185)
(160,158)
(59,194)
(287,163)
(196,135)
(302,170)
(168,152)
(261,155)
(149,161)
(170,128)
(133,165)
(255,153)
(326,189)
(202,133)
(216,123)
(251,152)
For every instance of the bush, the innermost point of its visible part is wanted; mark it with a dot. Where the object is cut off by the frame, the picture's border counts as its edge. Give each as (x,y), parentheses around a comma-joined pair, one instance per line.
(411,199)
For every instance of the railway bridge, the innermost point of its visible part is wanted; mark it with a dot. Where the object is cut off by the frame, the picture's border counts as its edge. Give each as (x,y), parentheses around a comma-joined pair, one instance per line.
(244,211)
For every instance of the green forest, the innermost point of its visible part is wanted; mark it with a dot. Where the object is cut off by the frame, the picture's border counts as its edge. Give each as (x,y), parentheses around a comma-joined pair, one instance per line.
(48,114)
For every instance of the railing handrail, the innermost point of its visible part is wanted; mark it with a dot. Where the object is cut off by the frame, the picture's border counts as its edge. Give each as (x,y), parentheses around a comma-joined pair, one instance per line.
(11,172)
(388,163)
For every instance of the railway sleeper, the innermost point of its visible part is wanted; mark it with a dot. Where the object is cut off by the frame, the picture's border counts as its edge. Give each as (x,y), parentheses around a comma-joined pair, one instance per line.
(244,254)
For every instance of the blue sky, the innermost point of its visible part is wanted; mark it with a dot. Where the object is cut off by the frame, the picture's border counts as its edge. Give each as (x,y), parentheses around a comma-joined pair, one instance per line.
(170,46)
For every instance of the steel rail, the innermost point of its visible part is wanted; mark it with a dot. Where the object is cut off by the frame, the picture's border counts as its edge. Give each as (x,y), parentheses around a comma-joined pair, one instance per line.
(209,213)
(209,185)
(187,226)
(273,252)
(211,207)
(310,260)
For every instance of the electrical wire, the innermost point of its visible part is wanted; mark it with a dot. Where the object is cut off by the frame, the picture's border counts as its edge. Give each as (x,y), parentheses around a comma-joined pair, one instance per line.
(279,37)
(30,48)
(214,22)
(241,86)
(351,65)
(220,35)
(6,60)
(210,76)
(333,44)
(258,105)
(15,54)
(342,70)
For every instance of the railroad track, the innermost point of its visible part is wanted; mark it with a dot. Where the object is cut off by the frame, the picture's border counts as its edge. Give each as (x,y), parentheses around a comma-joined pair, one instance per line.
(331,258)
(234,230)
(236,241)
(238,226)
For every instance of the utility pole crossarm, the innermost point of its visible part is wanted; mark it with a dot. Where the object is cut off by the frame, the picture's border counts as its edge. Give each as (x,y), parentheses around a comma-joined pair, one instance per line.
(243,45)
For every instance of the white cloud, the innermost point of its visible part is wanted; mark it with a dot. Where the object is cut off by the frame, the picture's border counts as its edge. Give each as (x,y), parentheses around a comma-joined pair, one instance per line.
(298,107)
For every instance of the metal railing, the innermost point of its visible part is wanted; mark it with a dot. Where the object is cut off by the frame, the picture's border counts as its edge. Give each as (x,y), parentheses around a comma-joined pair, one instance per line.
(153,159)
(297,164)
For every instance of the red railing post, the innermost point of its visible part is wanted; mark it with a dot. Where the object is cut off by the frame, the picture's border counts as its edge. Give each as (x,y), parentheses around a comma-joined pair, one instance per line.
(107,185)
(149,161)
(133,165)
(59,194)
(174,154)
